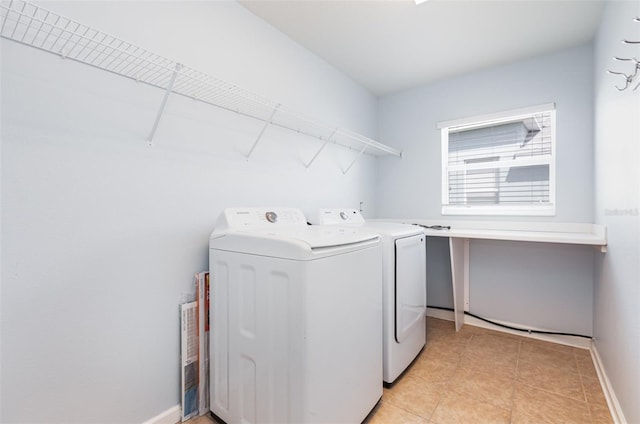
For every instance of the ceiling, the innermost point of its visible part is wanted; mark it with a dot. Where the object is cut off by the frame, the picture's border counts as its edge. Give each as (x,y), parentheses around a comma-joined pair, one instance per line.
(392,45)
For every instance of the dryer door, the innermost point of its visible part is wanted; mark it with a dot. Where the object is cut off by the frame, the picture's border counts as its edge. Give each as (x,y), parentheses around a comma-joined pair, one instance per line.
(410,284)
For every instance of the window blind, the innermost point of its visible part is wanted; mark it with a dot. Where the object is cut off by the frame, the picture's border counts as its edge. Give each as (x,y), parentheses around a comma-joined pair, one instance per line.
(501,162)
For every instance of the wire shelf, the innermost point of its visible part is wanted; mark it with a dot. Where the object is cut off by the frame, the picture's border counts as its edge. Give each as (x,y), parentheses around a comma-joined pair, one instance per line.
(46,30)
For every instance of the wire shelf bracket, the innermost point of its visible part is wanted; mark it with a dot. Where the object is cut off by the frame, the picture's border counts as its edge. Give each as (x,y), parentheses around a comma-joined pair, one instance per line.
(307,165)
(164,103)
(344,172)
(28,24)
(264,128)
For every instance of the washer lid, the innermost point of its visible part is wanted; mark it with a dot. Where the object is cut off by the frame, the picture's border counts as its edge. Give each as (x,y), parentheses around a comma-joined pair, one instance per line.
(302,243)
(393,229)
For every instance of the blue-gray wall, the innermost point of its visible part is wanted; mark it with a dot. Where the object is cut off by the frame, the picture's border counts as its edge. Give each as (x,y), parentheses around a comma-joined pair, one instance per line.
(561,298)
(617,205)
(101,235)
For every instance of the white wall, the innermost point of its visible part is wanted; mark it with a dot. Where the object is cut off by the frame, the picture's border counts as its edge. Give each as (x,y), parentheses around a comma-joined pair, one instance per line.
(411,188)
(617,202)
(101,234)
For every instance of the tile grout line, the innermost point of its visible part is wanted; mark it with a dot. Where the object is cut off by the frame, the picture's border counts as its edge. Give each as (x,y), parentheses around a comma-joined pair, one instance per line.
(515,379)
(408,412)
(444,389)
(428,420)
(446,385)
(584,390)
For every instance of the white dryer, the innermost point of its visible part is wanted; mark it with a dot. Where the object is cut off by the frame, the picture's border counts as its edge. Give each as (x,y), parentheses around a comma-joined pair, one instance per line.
(295,319)
(404,286)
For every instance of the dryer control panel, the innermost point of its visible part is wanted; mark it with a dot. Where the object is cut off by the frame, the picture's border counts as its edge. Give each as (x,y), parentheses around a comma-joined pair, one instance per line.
(339,217)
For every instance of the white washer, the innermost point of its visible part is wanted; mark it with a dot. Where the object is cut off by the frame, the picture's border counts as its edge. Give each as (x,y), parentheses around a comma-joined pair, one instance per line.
(404,286)
(295,319)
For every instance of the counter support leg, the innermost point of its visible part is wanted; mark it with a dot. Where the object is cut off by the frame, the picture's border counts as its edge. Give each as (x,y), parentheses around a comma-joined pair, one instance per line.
(459,251)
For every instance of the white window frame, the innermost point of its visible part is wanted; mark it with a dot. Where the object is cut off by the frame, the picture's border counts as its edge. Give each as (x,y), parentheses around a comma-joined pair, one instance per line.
(547,209)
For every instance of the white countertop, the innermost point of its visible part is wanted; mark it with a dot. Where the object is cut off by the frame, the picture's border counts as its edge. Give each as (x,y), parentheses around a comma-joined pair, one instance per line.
(569,233)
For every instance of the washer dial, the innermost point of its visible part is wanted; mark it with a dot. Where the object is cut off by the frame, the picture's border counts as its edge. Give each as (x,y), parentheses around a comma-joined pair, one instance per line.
(272,217)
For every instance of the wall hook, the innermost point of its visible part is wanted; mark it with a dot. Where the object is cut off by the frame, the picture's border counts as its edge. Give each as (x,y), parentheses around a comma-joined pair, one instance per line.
(629,78)
(624,59)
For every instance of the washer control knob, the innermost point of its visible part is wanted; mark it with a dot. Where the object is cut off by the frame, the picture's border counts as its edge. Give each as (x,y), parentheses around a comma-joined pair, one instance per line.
(344,216)
(271,217)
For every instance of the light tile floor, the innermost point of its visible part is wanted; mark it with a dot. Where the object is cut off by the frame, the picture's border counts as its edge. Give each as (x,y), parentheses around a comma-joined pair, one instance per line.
(481,376)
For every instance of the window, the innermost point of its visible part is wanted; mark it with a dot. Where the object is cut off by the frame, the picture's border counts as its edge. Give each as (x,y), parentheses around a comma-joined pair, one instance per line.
(500,164)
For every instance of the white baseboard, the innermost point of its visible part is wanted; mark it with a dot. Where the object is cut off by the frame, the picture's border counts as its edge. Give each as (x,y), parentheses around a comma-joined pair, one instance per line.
(612,401)
(440,314)
(564,340)
(170,416)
